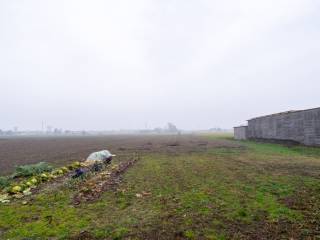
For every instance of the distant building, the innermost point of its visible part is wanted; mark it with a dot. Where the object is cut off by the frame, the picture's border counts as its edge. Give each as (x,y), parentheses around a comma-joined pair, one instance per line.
(301,126)
(241,132)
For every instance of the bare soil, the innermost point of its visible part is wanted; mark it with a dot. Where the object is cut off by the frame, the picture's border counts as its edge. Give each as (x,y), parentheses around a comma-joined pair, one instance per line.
(61,150)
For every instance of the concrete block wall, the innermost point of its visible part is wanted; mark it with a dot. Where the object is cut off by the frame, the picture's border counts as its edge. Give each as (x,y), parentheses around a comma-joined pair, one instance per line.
(240,133)
(300,126)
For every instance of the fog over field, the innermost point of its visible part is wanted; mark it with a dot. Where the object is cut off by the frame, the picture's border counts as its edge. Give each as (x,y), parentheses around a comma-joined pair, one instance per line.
(131,64)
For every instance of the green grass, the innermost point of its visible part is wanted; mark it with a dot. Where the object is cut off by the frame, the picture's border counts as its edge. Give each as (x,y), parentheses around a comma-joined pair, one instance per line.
(270,148)
(200,195)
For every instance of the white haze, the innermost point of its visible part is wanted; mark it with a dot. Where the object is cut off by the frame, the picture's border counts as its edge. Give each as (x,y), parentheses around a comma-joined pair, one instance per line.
(127,64)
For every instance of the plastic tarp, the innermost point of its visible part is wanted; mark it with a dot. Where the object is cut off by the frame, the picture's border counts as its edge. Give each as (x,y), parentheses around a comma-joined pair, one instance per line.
(99,156)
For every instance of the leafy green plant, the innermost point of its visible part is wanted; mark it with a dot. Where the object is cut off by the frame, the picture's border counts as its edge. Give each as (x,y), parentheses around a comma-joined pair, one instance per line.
(32,169)
(189,234)
(4,182)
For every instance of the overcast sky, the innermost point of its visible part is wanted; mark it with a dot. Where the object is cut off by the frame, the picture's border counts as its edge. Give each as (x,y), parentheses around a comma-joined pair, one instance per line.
(126,64)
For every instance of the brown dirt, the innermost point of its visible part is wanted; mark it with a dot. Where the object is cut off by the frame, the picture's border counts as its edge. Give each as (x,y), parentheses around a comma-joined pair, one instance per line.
(84,235)
(62,150)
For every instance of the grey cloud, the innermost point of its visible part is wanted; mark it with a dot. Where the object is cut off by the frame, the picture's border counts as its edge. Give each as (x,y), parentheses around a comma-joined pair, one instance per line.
(120,64)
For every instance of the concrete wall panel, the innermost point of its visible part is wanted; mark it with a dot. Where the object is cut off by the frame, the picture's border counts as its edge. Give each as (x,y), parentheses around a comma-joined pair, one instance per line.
(240,133)
(300,126)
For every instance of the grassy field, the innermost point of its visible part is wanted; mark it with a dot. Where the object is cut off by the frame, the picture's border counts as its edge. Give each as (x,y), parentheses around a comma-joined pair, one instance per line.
(224,190)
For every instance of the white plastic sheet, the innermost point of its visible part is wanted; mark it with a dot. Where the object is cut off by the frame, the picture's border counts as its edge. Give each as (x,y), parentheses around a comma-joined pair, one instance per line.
(100,156)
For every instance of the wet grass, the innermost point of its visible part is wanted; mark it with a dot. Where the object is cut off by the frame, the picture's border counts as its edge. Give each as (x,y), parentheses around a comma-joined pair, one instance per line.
(257,189)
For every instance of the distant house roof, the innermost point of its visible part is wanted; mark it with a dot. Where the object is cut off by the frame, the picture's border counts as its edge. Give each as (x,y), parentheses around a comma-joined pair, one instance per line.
(284,113)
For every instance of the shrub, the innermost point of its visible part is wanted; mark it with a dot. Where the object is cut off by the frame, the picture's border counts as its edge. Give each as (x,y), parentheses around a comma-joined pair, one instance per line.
(32,169)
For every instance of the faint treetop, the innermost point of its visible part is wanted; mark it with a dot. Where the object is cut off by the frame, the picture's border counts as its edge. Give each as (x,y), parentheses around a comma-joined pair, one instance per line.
(172,128)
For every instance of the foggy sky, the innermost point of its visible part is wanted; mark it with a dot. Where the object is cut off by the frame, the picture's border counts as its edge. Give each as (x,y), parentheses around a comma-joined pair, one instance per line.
(127,64)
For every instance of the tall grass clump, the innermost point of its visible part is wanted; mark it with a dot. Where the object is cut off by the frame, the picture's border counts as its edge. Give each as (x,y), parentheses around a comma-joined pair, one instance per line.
(32,169)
